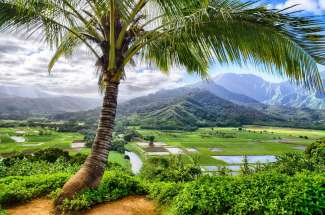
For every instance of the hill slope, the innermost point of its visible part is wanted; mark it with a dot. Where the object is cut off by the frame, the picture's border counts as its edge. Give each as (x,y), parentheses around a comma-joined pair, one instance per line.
(188,108)
(16,107)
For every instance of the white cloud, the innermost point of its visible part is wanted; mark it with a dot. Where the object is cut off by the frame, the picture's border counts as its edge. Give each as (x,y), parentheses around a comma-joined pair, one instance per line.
(25,63)
(312,6)
(322,4)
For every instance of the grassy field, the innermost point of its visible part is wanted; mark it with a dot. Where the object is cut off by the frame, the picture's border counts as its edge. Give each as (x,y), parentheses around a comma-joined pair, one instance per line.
(250,140)
(34,138)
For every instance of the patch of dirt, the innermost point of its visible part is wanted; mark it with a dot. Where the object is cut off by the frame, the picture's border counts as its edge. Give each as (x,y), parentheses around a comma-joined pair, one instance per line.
(35,207)
(131,205)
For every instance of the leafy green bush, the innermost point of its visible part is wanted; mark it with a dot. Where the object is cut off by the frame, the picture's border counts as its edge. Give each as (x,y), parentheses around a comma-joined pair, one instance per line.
(48,155)
(118,144)
(255,194)
(114,185)
(292,163)
(173,168)
(27,168)
(316,151)
(163,192)
(3,212)
(22,188)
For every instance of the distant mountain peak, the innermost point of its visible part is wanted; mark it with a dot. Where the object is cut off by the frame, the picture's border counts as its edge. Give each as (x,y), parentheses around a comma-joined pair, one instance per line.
(284,93)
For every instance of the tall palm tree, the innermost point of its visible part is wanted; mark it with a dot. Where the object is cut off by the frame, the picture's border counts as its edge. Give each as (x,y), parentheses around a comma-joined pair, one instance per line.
(165,33)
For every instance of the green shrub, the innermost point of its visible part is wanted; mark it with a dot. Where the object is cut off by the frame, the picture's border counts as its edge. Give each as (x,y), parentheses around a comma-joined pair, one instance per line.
(163,192)
(48,155)
(22,188)
(78,158)
(254,194)
(173,168)
(3,211)
(28,168)
(316,151)
(114,185)
(292,163)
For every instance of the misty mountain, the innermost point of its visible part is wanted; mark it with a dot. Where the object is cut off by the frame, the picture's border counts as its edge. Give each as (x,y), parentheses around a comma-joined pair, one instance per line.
(23,101)
(29,106)
(225,94)
(283,94)
(22,91)
(188,108)
(183,108)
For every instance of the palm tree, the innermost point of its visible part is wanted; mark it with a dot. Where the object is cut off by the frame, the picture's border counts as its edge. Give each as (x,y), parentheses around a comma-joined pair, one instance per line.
(165,33)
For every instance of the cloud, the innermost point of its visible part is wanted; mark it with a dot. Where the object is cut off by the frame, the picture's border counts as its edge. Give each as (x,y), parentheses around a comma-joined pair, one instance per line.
(312,6)
(25,63)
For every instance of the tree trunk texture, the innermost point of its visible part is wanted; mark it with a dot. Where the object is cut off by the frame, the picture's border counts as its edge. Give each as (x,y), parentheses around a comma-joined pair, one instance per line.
(91,172)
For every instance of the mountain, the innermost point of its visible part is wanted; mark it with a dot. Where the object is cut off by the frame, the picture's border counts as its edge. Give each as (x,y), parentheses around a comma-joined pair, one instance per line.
(283,94)
(196,109)
(23,101)
(225,94)
(188,108)
(17,106)
(182,108)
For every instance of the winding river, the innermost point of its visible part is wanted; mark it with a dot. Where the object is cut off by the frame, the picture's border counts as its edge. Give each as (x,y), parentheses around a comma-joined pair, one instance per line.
(136,162)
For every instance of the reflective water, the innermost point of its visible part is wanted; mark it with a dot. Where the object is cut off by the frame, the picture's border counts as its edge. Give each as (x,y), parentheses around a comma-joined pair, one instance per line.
(136,162)
(18,139)
(250,158)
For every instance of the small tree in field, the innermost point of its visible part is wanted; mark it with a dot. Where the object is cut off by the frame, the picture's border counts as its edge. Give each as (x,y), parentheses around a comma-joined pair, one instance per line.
(151,140)
(165,33)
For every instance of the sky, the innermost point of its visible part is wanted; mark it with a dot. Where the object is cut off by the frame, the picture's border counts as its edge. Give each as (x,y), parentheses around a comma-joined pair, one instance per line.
(24,62)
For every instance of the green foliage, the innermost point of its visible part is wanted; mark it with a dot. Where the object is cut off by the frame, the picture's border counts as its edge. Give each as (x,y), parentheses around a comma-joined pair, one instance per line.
(16,189)
(114,185)
(173,168)
(5,138)
(3,211)
(49,155)
(244,168)
(131,134)
(292,163)
(48,161)
(89,137)
(163,192)
(255,194)
(29,168)
(118,143)
(316,151)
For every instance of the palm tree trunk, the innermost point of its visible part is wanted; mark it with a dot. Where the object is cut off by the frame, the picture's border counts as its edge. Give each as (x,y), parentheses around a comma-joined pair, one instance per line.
(91,172)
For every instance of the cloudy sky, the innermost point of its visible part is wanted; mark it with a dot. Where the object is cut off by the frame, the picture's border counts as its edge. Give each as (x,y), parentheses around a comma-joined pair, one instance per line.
(25,63)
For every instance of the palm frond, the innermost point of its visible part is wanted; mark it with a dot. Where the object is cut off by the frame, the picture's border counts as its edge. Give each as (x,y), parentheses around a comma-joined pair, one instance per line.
(68,44)
(228,31)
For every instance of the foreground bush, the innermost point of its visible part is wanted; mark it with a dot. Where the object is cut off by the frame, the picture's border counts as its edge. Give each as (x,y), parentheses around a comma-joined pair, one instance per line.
(114,185)
(2,211)
(255,194)
(28,168)
(173,168)
(49,155)
(16,189)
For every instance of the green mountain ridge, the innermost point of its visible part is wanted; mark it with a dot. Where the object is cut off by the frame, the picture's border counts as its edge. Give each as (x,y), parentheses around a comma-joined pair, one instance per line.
(190,108)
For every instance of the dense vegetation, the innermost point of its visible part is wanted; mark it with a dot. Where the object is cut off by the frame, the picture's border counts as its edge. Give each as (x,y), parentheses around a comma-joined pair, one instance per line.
(292,185)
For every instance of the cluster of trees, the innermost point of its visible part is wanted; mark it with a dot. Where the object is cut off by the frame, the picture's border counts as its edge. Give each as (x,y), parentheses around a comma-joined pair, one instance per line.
(121,136)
